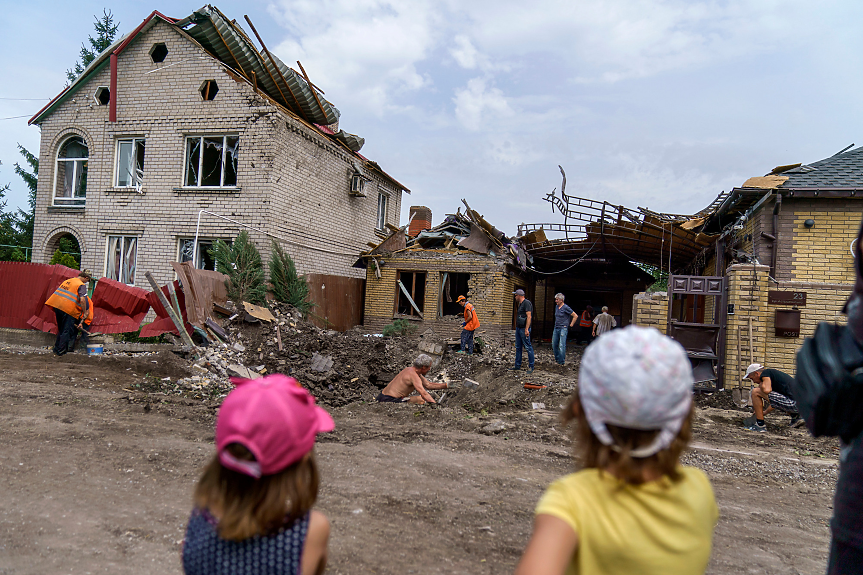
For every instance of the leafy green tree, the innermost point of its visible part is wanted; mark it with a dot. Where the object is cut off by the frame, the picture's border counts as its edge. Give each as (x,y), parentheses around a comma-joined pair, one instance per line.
(67,260)
(241,262)
(106,29)
(288,287)
(8,231)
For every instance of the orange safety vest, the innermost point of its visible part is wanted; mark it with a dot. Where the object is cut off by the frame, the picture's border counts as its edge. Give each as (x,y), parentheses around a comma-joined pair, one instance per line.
(66,297)
(585,319)
(473,323)
(89,319)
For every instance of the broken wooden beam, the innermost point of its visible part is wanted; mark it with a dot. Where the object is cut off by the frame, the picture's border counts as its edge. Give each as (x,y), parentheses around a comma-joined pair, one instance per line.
(178,321)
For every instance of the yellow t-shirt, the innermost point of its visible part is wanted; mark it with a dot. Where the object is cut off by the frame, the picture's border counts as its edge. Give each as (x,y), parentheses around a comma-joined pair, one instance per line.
(659,527)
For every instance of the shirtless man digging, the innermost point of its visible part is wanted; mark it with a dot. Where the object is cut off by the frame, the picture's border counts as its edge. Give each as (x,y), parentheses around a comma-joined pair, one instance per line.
(410,379)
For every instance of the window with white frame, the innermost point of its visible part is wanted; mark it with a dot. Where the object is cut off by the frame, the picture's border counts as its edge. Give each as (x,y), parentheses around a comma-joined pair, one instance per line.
(70,174)
(130,163)
(122,258)
(381,221)
(211,161)
(203,259)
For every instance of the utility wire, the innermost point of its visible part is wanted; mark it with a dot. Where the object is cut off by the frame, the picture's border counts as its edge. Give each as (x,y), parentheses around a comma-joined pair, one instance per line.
(15,117)
(27,99)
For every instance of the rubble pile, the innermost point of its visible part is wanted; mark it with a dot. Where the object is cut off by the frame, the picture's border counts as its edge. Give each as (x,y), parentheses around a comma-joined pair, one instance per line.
(342,368)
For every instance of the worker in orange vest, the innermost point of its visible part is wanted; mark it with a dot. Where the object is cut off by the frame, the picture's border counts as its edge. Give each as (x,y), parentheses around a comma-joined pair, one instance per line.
(585,322)
(69,305)
(83,325)
(469,325)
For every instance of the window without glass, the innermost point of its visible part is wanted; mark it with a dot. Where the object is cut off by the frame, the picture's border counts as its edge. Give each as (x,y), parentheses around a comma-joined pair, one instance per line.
(211,161)
(382,212)
(414,284)
(130,163)
(203,259)
(70,176)
(122,258)
(452,285)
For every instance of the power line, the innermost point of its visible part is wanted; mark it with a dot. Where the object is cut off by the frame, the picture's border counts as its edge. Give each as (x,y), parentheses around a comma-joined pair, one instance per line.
(27,99)
(16,117)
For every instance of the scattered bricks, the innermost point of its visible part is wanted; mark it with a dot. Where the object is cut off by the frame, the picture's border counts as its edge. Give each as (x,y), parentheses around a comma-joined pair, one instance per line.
(470,384)
(236,370)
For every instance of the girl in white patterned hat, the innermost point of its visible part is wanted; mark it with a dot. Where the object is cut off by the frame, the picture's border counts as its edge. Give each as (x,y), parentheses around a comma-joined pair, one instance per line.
(632,508)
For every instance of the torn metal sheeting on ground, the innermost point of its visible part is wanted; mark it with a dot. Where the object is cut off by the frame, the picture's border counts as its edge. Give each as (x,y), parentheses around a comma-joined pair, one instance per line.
(258,312)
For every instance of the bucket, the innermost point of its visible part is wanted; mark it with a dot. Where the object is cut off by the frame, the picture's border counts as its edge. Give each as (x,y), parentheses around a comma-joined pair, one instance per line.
(94,349)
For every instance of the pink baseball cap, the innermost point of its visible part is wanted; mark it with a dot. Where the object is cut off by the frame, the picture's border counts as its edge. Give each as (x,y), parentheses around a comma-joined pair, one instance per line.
(274,418)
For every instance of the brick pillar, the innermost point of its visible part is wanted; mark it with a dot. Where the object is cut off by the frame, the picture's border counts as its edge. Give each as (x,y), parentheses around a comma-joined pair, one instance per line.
(650,309)
(421,220)
(747,291)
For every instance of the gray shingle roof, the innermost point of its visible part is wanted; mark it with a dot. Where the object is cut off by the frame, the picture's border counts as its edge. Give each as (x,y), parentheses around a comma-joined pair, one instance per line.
(840,171)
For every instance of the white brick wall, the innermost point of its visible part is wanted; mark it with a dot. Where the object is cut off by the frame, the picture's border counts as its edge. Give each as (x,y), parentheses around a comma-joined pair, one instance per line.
(294,181)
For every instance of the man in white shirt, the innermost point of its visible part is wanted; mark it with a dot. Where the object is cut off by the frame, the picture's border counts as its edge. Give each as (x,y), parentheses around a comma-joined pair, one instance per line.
(603,322)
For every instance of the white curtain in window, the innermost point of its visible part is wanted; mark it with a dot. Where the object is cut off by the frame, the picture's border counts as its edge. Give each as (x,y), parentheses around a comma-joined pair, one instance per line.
(68,180)
(114,256)
(130,258)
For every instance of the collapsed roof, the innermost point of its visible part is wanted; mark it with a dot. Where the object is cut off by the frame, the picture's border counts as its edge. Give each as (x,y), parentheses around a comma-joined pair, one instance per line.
(458,233)
(600,230)
(226,41)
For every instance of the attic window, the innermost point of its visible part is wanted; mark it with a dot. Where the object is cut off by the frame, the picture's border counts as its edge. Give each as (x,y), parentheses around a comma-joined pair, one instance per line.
(209,89)
(159,52)
(102,95)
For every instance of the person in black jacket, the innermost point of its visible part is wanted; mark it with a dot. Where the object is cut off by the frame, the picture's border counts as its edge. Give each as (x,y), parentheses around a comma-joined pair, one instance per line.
(829,393)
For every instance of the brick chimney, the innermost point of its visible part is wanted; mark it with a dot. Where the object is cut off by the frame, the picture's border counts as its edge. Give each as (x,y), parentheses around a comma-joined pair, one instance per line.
(421,221)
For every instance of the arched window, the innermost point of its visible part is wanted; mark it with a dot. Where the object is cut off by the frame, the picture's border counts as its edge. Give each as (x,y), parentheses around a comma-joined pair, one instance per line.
(70,177)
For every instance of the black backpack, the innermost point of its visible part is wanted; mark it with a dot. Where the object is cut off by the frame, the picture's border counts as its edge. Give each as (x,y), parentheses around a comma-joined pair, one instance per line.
(829,383)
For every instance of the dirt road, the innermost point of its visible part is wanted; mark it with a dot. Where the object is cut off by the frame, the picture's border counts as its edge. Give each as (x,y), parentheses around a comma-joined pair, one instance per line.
(96,477)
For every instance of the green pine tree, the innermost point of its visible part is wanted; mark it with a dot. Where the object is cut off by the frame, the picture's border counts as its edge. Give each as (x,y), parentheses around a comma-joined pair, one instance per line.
(24,219)
(106,29)
(241,262)
(288,287)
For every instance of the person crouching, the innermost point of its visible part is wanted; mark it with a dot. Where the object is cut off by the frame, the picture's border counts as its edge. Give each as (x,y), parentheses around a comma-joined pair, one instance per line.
(633,508)
(253,503)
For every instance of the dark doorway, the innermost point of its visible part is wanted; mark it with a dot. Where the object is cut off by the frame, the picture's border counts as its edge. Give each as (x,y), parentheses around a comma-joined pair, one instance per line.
(452,286)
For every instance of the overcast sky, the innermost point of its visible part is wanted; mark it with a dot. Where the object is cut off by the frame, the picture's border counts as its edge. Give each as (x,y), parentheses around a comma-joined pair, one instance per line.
(660,104)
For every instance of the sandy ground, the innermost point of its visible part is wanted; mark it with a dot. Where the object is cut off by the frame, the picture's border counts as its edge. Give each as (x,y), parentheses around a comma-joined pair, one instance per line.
(96,477)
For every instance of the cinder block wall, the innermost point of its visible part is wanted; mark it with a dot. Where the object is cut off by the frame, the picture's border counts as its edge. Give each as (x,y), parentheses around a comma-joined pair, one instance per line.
(293,181)
(489,289)
(651,310)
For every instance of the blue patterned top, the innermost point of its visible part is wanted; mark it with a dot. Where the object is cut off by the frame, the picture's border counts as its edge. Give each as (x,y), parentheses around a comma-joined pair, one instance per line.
(205,553)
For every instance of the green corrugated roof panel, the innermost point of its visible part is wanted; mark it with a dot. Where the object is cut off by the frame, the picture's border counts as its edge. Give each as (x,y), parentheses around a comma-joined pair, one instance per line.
(228,42)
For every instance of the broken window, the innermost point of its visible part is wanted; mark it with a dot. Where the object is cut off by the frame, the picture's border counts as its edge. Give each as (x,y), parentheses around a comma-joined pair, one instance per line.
(158,52)
(209,89)
(203,259)
(122,258)
(102,95)
(211,161)
(410,286)
(452,285)
(70,177)
(130,163)
(381,222)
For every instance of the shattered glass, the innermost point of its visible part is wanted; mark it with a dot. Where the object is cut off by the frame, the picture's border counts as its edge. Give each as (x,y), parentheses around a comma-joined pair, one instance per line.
(71,182)
(211,170)
(130,163)
(193,160)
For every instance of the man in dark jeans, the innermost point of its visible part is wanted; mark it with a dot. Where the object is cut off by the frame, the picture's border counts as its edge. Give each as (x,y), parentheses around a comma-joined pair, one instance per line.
(523,319)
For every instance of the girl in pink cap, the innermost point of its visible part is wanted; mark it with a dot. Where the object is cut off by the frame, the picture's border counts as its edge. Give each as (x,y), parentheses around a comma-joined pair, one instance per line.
(632,508)
(253,504)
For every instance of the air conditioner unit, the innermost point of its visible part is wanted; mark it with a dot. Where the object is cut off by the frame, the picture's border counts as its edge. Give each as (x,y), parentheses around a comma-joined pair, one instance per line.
(358,184)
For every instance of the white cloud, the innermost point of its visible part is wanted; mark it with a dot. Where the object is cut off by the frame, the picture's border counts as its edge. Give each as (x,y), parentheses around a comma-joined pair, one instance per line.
(477,100)
(464,52)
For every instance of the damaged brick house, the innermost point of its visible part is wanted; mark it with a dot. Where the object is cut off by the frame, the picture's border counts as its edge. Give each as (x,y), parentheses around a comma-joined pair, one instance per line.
(418,279)
(184,129)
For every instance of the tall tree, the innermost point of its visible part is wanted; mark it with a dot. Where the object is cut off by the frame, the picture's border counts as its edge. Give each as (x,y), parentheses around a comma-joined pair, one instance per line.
(24,220)
(106,29)
(8,235)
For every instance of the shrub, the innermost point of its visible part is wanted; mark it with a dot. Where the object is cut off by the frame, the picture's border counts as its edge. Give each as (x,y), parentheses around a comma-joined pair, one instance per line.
(399,327)
(241,262)
(64,260)
(288,286)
